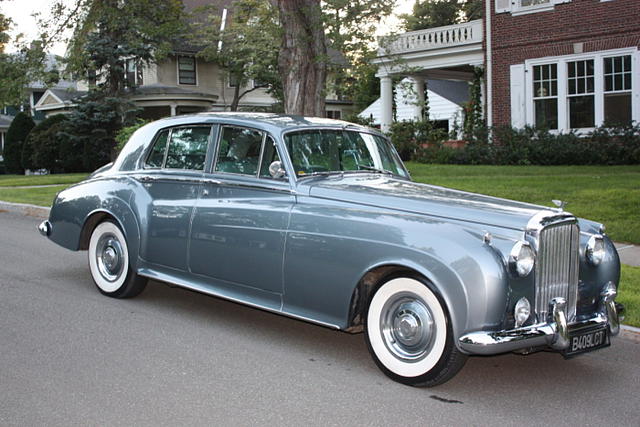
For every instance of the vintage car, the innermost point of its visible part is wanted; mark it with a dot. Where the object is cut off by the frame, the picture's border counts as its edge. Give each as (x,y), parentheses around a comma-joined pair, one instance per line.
(319,220)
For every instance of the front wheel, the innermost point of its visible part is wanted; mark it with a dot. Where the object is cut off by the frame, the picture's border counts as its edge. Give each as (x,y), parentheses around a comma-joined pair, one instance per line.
(109,263)
(409,334)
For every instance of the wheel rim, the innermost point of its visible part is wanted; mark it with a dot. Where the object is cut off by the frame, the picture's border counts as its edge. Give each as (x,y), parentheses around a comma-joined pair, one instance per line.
(110,257)
(407,327)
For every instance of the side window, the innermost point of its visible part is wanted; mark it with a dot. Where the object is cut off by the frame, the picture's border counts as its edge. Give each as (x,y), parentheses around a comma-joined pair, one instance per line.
(269,155)
(188,147)
(156,156)
(239,150)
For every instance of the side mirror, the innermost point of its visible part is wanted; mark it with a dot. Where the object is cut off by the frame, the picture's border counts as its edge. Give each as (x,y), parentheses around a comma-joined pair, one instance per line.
(276,170)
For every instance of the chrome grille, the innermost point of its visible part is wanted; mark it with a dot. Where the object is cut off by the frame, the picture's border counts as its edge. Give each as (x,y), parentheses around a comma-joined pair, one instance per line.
(556,273)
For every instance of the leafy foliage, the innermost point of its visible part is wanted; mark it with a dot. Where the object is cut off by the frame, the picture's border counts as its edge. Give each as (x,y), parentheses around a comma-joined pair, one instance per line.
(42,147)
(89,134)
(247,48)
(112,31)
(530,146)
(438,13)
(14,141)
(123,135)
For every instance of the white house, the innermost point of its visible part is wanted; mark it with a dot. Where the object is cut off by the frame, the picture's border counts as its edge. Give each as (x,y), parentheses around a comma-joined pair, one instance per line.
(446,99)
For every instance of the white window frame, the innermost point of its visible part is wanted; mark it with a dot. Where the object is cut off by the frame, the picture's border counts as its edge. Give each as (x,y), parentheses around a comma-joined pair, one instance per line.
(515,7)
(195,70)
(563,105)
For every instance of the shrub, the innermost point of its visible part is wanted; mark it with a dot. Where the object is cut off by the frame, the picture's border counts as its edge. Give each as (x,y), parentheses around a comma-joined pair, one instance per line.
(410,136)
(44,141)
(508,146)
(125,133)
(14,140)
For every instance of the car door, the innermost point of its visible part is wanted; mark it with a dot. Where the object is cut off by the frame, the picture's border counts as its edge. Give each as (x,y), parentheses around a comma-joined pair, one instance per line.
(239,225)
(172,177)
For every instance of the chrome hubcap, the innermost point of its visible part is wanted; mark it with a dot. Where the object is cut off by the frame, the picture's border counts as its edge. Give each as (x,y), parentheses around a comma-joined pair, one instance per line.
(407,327)
(109,257)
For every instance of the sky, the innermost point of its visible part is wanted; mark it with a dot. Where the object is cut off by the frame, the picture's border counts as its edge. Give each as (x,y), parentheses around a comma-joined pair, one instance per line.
(21,11)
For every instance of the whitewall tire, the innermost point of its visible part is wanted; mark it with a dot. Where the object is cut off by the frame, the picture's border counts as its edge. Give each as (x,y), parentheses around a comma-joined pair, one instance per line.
(409,335)
(109,262)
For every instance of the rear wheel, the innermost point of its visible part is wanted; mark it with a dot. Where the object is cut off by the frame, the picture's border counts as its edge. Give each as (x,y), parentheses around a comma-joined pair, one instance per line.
(409,334)
(109,263)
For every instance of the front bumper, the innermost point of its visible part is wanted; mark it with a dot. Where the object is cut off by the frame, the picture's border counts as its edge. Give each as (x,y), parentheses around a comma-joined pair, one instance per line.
(554,334)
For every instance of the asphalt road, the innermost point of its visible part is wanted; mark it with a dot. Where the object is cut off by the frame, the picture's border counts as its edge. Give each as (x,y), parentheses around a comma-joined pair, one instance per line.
(70,356)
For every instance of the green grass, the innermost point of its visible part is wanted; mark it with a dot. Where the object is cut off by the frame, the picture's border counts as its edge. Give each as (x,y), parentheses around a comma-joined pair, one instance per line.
(22,180)
(41,196)
(630,294)
(607,194)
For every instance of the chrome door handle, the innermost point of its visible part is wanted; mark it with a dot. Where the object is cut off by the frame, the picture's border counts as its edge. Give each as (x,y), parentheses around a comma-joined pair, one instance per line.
(205,192)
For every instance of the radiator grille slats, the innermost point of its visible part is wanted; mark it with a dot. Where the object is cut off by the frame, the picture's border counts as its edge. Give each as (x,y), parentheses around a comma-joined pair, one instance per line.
(556,273)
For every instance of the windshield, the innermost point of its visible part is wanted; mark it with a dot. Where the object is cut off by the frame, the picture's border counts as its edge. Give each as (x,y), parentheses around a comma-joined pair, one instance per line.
(337,151)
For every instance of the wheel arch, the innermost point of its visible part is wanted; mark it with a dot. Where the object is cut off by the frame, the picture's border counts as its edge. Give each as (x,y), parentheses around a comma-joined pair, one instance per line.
(445,284)
(126,221)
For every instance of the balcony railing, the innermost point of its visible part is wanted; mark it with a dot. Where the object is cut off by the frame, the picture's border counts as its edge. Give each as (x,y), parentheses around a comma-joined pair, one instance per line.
(433,38)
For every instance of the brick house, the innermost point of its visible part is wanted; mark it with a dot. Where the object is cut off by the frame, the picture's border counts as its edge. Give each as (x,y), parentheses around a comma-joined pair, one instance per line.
(561,64)
(564,64)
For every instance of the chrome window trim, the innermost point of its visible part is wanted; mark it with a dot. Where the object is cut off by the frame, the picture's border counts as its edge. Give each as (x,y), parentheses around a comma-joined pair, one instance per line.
(217,150)
(166,149)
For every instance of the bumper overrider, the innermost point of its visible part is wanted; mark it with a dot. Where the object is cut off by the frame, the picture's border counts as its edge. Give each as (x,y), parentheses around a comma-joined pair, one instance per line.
(554,334)
(45,228)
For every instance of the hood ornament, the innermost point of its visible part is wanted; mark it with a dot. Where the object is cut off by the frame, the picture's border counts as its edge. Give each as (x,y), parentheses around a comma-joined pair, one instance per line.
(560,204)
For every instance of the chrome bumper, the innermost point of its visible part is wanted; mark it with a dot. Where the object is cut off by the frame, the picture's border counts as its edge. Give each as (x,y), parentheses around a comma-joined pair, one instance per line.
(45,228)
(554,334)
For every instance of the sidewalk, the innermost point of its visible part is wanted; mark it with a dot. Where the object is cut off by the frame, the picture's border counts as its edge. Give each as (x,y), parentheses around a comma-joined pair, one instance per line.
(629,254)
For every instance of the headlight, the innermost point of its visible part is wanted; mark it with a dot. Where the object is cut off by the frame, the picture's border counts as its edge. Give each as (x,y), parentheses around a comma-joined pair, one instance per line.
(595,249)
(522,258)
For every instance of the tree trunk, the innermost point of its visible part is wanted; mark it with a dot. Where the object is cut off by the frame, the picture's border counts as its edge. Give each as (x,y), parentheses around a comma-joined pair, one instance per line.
(302,61)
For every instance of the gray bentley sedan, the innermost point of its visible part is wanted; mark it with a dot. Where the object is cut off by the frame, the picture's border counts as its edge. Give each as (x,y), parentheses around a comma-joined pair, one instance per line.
(319,220)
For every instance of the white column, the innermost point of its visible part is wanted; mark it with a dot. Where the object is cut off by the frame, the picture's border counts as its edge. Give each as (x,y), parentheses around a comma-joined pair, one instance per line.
(418,88)
(173,109)
(386,99)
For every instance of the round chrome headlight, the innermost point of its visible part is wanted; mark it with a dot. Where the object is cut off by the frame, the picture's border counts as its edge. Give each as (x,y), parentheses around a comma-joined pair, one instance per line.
(522,258)
(595,249)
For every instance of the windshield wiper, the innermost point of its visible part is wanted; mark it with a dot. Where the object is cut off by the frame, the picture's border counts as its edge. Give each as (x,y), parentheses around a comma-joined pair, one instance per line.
(320,173)
(374,169)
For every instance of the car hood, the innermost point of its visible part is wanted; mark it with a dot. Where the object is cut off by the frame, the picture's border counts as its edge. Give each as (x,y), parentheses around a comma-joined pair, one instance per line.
(408,196)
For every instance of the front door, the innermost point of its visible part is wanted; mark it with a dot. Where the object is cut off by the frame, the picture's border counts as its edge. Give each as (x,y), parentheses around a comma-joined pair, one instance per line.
(239,225)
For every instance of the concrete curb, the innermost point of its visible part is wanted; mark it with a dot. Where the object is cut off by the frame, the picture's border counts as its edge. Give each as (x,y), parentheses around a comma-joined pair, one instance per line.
(630,332)
(25,209)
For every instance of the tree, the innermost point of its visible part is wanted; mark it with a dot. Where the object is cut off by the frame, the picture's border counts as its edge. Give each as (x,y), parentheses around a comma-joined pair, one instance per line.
(302,61)
(113,32)
(246,49)
(14,140)
(44,142)
(438,13)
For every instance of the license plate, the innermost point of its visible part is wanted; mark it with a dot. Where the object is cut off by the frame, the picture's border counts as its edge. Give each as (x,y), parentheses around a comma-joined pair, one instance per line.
(583,342)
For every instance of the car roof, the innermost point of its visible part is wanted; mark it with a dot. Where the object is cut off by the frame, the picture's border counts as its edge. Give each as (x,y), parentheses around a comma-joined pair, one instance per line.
(269,121)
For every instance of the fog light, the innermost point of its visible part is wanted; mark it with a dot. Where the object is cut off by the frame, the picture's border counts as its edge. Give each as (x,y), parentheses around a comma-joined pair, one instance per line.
(522,311)
(595,249)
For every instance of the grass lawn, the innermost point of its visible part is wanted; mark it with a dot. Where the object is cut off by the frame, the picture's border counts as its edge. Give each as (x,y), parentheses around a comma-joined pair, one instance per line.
(607,194)
(20,180)
(41,196)
(630,294)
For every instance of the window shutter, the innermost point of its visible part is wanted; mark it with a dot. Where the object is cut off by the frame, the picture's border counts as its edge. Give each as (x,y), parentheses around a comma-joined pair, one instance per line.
(503,6)
(518,116)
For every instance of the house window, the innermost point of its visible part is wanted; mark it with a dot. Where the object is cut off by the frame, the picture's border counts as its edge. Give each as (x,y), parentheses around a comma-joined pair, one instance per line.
(581,98)
(545,95)
(334,114)
(233,80)
(186,70)
(133,74)
(617,89)
(581,91)
(527,3)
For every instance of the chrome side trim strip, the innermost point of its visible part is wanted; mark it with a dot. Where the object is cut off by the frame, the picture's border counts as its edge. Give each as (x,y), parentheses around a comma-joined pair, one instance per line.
(203,290)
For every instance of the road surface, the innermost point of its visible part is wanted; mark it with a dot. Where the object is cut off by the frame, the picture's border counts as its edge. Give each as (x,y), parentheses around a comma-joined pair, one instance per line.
(70,356)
